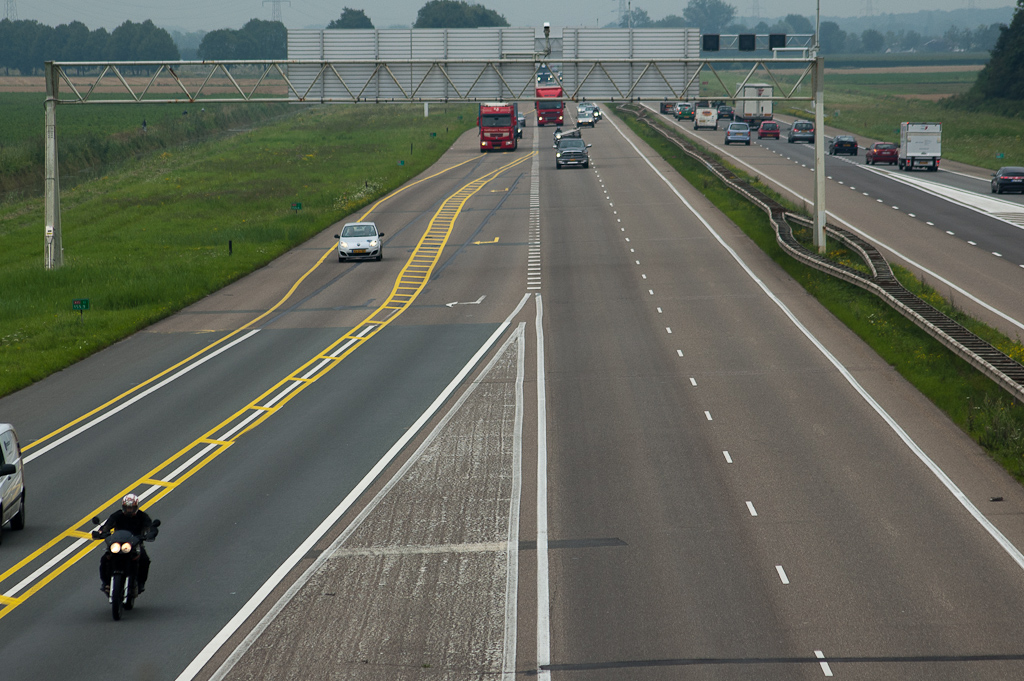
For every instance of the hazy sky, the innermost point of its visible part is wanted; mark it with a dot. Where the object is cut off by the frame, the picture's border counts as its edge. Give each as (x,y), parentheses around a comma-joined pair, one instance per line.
(191,15)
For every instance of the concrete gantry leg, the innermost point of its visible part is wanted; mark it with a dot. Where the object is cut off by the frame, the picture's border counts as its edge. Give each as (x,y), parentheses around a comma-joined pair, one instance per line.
(53,251)
(819,154)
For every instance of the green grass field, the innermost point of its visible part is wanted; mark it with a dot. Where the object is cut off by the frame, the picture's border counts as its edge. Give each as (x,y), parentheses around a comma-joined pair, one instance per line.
(152,236)
(91,138)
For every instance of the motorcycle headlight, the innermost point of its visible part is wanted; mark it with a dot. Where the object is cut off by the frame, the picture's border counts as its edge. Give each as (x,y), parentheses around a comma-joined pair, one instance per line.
(115,548)
(125,547)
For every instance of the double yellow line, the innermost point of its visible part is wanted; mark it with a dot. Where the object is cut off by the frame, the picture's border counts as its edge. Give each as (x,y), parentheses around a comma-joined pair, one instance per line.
(168,475)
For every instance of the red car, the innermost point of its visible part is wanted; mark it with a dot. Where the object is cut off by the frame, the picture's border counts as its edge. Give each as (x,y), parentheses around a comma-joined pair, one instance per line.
(882,152)
(768,129)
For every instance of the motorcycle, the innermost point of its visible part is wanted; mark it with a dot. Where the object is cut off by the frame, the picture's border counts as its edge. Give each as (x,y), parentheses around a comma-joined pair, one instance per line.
(124,549)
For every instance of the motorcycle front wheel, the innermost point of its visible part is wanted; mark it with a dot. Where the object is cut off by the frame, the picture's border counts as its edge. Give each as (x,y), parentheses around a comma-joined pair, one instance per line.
(116,596)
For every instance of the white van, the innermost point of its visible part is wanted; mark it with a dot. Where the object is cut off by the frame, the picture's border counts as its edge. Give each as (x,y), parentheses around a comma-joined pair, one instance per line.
(706,117)
(12,480)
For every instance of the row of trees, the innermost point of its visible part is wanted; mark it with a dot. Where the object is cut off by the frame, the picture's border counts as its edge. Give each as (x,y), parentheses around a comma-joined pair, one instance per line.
(434,14)
(716,16)
(26,45)
(256,40)
(999,85)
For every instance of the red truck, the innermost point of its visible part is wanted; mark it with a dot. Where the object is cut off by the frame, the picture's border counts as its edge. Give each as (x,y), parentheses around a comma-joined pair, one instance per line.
(499,125)
(550,111)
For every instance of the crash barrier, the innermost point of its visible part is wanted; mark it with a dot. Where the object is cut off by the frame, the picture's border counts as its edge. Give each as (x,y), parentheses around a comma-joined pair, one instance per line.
(994,363)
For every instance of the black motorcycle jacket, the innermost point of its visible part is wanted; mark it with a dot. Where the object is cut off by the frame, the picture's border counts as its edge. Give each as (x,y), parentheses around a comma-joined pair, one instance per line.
(137,524)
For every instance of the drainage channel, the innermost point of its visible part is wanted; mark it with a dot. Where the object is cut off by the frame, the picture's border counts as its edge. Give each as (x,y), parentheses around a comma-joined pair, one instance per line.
(994,363)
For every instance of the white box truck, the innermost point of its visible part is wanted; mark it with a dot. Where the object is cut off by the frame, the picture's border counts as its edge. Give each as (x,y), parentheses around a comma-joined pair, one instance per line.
(920,146)
(756,105)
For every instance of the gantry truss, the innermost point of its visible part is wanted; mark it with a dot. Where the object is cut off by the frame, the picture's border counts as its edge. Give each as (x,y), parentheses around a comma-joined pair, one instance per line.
(421,80)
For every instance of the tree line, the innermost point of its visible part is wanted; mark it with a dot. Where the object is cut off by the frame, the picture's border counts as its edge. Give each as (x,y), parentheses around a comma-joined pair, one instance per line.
(717,16)
(26,45)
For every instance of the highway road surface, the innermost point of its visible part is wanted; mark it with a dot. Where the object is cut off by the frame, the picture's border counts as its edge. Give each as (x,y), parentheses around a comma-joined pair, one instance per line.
(575,425)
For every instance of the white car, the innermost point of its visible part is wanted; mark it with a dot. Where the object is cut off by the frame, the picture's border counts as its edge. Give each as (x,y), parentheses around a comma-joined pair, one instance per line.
(585,117)
(360,241)
(12,480)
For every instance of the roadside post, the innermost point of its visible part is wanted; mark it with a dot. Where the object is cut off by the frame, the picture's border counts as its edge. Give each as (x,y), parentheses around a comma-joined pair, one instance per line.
(80,305)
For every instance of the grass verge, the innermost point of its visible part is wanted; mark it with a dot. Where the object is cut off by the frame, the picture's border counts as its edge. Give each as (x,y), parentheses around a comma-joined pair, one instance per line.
(978,406)
(91,139)
(152,237)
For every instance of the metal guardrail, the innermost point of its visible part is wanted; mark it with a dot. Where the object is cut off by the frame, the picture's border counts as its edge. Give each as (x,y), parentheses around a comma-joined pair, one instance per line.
(995,364)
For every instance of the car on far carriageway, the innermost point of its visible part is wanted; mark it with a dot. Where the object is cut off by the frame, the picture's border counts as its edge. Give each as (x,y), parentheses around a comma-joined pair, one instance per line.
(1008,178)
(843,144)
(668,107)
(801,131)
(684,111)
(360,241)
(768,129)
(738,133)
(882,152)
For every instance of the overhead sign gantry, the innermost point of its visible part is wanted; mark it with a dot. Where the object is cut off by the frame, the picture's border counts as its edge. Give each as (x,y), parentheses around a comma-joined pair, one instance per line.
(434,65)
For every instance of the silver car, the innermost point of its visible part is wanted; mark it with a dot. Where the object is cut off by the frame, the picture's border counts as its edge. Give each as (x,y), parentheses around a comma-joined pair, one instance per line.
(12,480)
(360,241)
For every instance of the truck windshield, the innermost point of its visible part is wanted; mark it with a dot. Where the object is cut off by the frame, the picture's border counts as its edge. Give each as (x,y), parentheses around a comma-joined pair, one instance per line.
(495,120)
(549,106)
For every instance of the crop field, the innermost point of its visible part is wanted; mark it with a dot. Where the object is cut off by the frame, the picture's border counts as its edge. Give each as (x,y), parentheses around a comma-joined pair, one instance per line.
(152,236)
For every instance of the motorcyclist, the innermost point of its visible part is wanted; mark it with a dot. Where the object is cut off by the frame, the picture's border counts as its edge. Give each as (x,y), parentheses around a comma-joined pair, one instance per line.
(137,522)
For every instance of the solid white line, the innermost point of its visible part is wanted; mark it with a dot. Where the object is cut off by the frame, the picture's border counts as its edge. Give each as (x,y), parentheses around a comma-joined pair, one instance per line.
(508,670)
(124,405)
(543,586)
(264,591)
(824,665)
(993,531)
(185,466)
(782,574)
(44,568)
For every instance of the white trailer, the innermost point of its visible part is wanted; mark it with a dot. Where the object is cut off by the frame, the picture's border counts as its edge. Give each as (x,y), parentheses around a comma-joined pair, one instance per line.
(920,146)
(756,105)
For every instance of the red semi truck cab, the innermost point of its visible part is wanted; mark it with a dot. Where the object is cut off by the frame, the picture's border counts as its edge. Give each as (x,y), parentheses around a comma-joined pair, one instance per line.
(549,111)
(498,122)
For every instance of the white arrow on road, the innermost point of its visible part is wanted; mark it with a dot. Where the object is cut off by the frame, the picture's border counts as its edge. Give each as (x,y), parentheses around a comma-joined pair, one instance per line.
(476,302)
